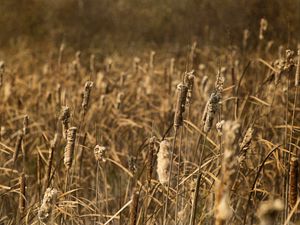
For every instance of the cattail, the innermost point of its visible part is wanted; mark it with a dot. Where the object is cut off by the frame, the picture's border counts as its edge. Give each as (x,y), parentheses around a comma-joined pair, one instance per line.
(61,50)
(132,164)
(25,125)
(22,198)
(231,131)
(245,145)
(136,64)
(64,118)
(263,28)
(219,84)
(163,161)
(108,65)
(151,60)
(86,95)
(210,110)
(246,35)
(92,64)
(293,192)
(100,153)
(223,210)
(189,80)
(297,77)
(53,144)
(69,149)
(134,207)
(180,106)
(268,211)
(150,158)
(58,95)
(18,146)
(45,212)
(2,70)
(172,66)
(219,127)
(120,98)
(78,58)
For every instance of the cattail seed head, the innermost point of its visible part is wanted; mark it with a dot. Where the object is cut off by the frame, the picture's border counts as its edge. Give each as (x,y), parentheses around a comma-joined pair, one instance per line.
(64,118)
(150,158)
(18,146)
(189,80)
(180,106)
(268,211)
(45,212)
(246,35)
(86,95)
(219,127)
(25,125)
(293,192)
(2,70)
(69,149)
(100,153)
(263,28)
(210,110)
(163,162)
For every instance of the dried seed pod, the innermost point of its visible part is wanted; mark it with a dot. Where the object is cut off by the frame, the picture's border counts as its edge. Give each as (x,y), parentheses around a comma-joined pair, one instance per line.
(64,118)
(244,146)
(86,95)
(263,28)
(189,80)
(2,70)
(231,130)
(150,158)
(268,211)
(120,98)
(18,146)
(151,60)
(180,106)
(25,125)
(134,207)
(132,164)
(293,192)
(246,35)
(100,153)
(163,162)
(219,127)
(45,212)
(210,110)
(69,149)
(92,64)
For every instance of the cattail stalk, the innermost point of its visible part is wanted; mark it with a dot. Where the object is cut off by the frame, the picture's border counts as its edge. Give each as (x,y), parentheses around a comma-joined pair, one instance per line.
(297,77)
(134,207)
(50,160)
(22,197)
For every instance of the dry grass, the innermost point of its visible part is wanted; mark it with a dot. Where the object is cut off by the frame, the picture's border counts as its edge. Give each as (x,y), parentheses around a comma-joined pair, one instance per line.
(137,150)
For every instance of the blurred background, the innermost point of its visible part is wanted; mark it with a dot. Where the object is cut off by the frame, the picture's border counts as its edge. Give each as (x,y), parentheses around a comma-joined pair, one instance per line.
(131,23)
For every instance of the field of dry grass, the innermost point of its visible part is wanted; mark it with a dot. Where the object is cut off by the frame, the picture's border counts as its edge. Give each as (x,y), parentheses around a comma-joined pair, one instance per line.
(203,135)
